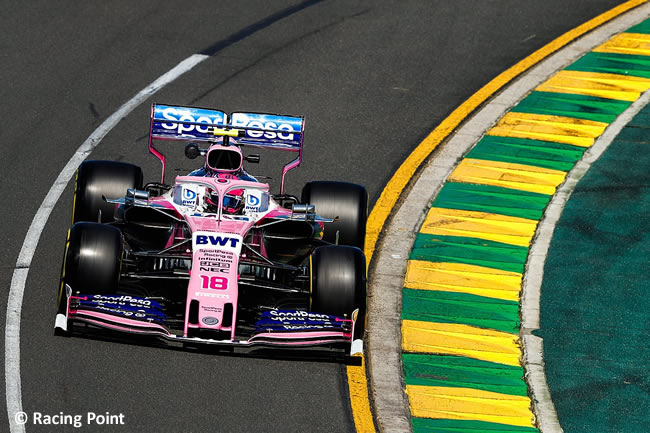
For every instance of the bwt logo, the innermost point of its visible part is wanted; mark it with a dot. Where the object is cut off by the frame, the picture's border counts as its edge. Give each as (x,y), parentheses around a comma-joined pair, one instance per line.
(217,241)
(171,113)
(188,197)
(252,200)
(188,194)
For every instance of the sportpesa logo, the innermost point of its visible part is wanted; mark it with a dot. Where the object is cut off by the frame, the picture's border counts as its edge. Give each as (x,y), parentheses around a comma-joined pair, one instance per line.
(262,121)
(123,299)
(194,117)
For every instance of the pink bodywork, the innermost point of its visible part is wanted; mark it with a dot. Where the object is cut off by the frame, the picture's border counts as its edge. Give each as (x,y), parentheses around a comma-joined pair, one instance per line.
(222,263)
(212,284)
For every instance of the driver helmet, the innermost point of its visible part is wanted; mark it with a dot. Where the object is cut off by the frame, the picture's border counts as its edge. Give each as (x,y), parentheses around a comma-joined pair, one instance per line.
(224,159)
(233,202)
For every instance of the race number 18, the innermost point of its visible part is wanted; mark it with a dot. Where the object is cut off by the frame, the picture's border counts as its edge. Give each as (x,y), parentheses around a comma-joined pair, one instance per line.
(217,283)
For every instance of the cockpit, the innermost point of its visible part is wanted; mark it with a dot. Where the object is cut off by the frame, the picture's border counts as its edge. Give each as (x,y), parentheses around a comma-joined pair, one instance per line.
(222,198)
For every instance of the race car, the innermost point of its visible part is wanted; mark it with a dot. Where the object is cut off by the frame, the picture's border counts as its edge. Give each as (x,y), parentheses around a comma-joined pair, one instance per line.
(216,258)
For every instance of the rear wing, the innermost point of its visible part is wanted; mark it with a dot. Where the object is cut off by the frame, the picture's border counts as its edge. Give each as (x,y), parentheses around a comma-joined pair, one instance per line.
(272,131)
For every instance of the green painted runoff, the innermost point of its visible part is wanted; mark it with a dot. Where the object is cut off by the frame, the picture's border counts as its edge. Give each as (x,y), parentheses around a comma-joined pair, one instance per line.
(594,305)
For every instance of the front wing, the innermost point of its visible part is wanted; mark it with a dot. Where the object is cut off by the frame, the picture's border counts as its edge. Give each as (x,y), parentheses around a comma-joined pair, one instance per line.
(141,316)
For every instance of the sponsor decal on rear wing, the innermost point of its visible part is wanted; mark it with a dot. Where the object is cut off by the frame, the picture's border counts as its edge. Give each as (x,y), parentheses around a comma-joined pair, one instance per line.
(268,130)
(201,124)
(186,123)
(272,131)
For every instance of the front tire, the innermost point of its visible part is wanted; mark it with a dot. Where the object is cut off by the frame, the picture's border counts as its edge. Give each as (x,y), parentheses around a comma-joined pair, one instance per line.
(348,201)
(338,282)
(95,179)
(93,259)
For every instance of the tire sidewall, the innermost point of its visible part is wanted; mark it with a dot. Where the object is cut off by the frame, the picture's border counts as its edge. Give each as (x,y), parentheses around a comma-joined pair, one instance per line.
(98,179)
(97,270)
(348,202)
(338,280)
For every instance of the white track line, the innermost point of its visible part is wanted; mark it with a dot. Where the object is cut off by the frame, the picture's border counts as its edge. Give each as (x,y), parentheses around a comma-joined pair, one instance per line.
(17,289)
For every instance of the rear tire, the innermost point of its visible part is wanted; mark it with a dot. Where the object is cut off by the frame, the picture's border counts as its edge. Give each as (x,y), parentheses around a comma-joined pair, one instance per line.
(348,201)
(338,282)
(93,259)
(95,179)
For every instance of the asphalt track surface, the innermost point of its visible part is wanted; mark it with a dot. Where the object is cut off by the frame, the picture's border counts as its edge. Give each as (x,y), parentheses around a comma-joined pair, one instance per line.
(371,77)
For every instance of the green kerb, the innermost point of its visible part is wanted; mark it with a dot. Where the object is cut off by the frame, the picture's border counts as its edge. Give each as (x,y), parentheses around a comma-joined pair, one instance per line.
(462,372)
(569,105)
(461,308)
(471,251)
(544,154)
(643,27)
(427,425)
(492,199)
(612,63)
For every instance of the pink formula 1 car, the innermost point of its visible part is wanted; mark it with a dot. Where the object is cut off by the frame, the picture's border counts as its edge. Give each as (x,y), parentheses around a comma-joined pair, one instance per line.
(216,258)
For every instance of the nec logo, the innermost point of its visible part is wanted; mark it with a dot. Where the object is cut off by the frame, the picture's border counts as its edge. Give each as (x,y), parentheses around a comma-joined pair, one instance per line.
(217,241)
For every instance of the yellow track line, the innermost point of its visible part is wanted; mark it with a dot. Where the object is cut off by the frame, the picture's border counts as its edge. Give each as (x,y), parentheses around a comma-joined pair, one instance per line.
(357,381)
(360,398)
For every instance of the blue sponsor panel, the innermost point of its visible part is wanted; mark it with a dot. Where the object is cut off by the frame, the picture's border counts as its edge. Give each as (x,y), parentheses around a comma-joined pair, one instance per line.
(183,123)
(132,307)
(296,320)
(258,129)
(283,132)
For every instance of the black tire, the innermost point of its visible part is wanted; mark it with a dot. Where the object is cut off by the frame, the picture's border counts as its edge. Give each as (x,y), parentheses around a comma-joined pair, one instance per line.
(97,270)
(338,282)
(348,201)
(95,179)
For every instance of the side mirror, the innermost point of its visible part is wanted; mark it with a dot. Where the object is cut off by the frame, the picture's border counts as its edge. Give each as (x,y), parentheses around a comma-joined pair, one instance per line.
(133,194)
(255,159)
(308,210)
(192,151)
